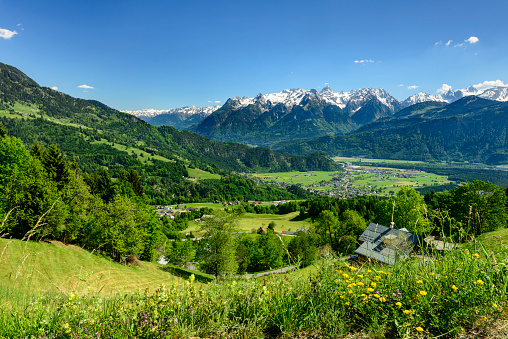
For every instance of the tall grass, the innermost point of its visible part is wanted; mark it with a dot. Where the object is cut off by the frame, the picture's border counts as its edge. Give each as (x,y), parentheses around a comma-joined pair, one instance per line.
(430,297)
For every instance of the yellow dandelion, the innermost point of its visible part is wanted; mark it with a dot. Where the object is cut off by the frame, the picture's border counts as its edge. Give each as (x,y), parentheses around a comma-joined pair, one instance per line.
(360,283)
(406,311)
(432,274)
(350,291)
(347,303)
(419,282)
(382,299)
(377,277)
(376,296)
(455,288)
(352,268)
(479,281)
(370,290)
(359,276)
(419,329)
(373,284)
(495,305)
(398,303)
(423,293)
(369,271)
(476,255)
(345,276)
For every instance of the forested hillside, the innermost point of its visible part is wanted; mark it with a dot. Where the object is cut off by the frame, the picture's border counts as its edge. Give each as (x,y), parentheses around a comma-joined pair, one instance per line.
(101,137)
(470,129)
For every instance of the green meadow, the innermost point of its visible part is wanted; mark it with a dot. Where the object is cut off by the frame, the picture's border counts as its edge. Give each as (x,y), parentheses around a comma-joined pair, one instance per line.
(54,291)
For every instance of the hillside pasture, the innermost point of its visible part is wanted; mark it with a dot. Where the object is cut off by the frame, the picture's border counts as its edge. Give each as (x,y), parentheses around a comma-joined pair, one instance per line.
(56,267)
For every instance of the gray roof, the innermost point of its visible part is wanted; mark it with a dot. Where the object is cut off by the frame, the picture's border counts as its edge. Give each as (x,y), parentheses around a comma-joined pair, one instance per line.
(385,244)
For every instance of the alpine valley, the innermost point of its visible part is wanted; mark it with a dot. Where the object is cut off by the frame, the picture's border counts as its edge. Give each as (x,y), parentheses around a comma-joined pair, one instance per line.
(456,125)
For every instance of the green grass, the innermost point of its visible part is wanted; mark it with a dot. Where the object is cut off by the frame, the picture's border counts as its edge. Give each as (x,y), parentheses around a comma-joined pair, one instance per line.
(200,174)
(304,178)
(418,298)
(46,267)
(141,155)
(249,221)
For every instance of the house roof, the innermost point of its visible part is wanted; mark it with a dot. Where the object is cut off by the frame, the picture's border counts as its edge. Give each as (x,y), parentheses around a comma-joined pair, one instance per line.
(385,244)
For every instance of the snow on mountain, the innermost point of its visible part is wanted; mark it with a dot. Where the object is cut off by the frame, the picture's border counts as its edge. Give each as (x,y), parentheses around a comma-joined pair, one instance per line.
(188,110)
(492,90)
(291,97)
(422,97)
(351,101)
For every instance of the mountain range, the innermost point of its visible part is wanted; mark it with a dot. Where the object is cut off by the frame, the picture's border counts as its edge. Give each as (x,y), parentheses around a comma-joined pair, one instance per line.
(275,119)
(470,129)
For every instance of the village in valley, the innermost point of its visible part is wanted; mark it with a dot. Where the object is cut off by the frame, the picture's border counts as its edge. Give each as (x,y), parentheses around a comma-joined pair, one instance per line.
(353,181)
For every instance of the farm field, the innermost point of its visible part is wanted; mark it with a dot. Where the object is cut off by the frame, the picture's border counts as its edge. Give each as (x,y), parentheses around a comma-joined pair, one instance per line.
(356,180)
(303,178)
(387,181)
(249,221)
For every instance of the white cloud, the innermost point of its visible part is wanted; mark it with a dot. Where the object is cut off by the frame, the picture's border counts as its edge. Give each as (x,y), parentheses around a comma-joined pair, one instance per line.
(445,88)
(363,61)
(85,86)
(438,43)
(54,88)
(6,34)
(489,84)
(412,87)
(449,42)
(472,40)
(217,101)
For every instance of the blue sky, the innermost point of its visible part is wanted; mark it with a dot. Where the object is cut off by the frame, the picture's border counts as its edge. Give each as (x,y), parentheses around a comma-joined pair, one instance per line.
(166,54)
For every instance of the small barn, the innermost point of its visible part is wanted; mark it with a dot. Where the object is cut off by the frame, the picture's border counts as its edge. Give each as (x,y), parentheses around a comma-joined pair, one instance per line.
(385,244)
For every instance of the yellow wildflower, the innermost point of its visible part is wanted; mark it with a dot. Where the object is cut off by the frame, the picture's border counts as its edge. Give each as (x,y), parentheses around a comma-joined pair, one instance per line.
(377,277)
(479,281)
(345,276)
(370,290)
(376,296)
(419,329)
(423,293)
(398,303)
(382,299)
(359,276)
(495,305)
(455,288)
(406,311)
(347,303)
(419,282)
(350,291)
(352,268)
(359,283)
(476,255)
(373,284)
(369,271)
(432,274)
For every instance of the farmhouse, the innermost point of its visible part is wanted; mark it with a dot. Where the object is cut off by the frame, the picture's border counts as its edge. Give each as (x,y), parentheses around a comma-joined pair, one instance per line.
(385,244)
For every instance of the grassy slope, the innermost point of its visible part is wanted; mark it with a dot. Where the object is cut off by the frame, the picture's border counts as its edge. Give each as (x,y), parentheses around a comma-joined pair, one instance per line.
(45,267)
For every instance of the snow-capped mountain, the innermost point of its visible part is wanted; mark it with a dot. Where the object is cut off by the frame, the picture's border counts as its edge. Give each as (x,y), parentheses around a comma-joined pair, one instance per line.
(422,97)
(188,110)
(484,90)
(351,101)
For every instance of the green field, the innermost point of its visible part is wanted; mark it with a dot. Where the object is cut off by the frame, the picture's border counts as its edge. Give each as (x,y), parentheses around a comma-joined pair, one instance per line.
(249,221)
(304,178)
(55,267)
(396,178)
(383,180)
(200,174)
(142,156)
